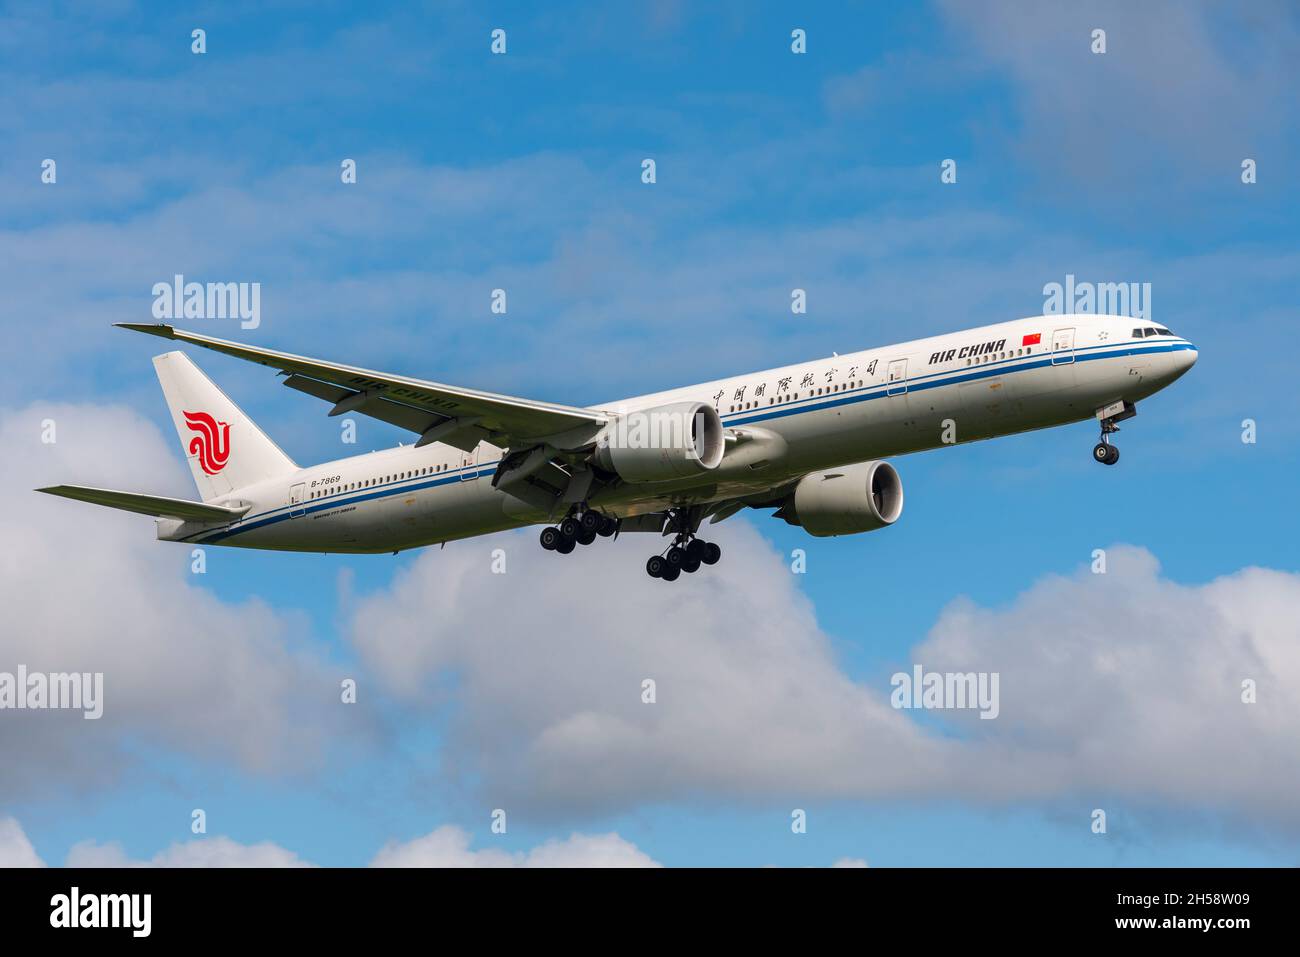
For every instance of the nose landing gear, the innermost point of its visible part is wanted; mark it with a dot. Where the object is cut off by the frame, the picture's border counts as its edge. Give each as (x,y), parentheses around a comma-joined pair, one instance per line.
(1103,451)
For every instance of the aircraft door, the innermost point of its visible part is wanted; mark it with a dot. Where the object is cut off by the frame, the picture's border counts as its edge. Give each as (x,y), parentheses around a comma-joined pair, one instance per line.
(896,377)
(469,461)
(1062,346)
(297,496)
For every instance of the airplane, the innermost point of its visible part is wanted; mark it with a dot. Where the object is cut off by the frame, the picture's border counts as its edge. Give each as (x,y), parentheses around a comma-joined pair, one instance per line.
(807,440)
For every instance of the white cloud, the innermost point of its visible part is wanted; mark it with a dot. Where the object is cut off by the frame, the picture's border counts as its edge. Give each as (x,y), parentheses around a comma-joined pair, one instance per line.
(1130,684)
(1124,686)
(89,589)
(546,698)
(202,852)
(448,846)
(15,849)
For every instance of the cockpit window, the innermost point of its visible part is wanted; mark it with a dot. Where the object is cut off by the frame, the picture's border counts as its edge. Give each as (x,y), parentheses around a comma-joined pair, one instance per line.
(1137,333)
(1163,332)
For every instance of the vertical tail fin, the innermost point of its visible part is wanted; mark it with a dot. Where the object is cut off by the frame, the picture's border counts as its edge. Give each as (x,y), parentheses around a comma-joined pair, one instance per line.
(226,450)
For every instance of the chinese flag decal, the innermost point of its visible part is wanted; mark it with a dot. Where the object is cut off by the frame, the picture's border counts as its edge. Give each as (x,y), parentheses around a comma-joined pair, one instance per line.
(1033,340)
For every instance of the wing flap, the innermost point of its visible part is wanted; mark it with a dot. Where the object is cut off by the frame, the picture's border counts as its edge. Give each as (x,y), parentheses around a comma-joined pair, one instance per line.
(394,413)
(155,505)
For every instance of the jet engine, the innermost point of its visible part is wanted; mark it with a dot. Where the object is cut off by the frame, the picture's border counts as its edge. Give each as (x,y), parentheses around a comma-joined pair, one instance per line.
(663,443)
(861,497)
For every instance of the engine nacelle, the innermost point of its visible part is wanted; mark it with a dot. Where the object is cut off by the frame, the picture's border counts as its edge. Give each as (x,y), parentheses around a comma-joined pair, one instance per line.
(861,497)
(673,441)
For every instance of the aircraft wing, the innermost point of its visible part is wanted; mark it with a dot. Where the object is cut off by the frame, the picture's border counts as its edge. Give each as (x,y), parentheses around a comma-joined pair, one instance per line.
(436,412)
(156,505)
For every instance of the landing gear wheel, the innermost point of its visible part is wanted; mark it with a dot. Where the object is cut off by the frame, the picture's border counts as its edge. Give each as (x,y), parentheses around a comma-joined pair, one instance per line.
(655,567)
(671,573)
(690,565)
(586,537)
(695,549)
(590,522)
(569,528)
(566,545)
(711,554)
(608,526)
(550,538)
(1113,457)
(1101,452)
(675,557)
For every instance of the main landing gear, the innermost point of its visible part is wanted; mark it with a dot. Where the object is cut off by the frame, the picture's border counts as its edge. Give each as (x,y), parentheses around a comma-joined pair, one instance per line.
(686,554)
(1103,451)
(579,528)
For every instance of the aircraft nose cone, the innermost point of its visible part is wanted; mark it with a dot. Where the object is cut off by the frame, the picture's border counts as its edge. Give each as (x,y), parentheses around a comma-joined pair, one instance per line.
(1183,359)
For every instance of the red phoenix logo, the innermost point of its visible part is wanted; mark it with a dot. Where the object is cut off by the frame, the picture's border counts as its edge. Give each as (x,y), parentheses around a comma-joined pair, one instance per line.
(212,444)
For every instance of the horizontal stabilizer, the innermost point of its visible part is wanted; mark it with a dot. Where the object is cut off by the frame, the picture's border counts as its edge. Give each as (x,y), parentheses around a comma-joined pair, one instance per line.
(155,505)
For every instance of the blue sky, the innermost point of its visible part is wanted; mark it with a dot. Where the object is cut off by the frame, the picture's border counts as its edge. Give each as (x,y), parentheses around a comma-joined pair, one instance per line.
(774,171)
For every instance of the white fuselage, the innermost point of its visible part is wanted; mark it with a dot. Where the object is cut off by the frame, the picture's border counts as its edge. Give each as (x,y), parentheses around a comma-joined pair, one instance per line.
(821,414)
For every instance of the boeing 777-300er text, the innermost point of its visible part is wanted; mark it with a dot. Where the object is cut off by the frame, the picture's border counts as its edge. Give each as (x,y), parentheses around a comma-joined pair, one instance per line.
(808,440)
